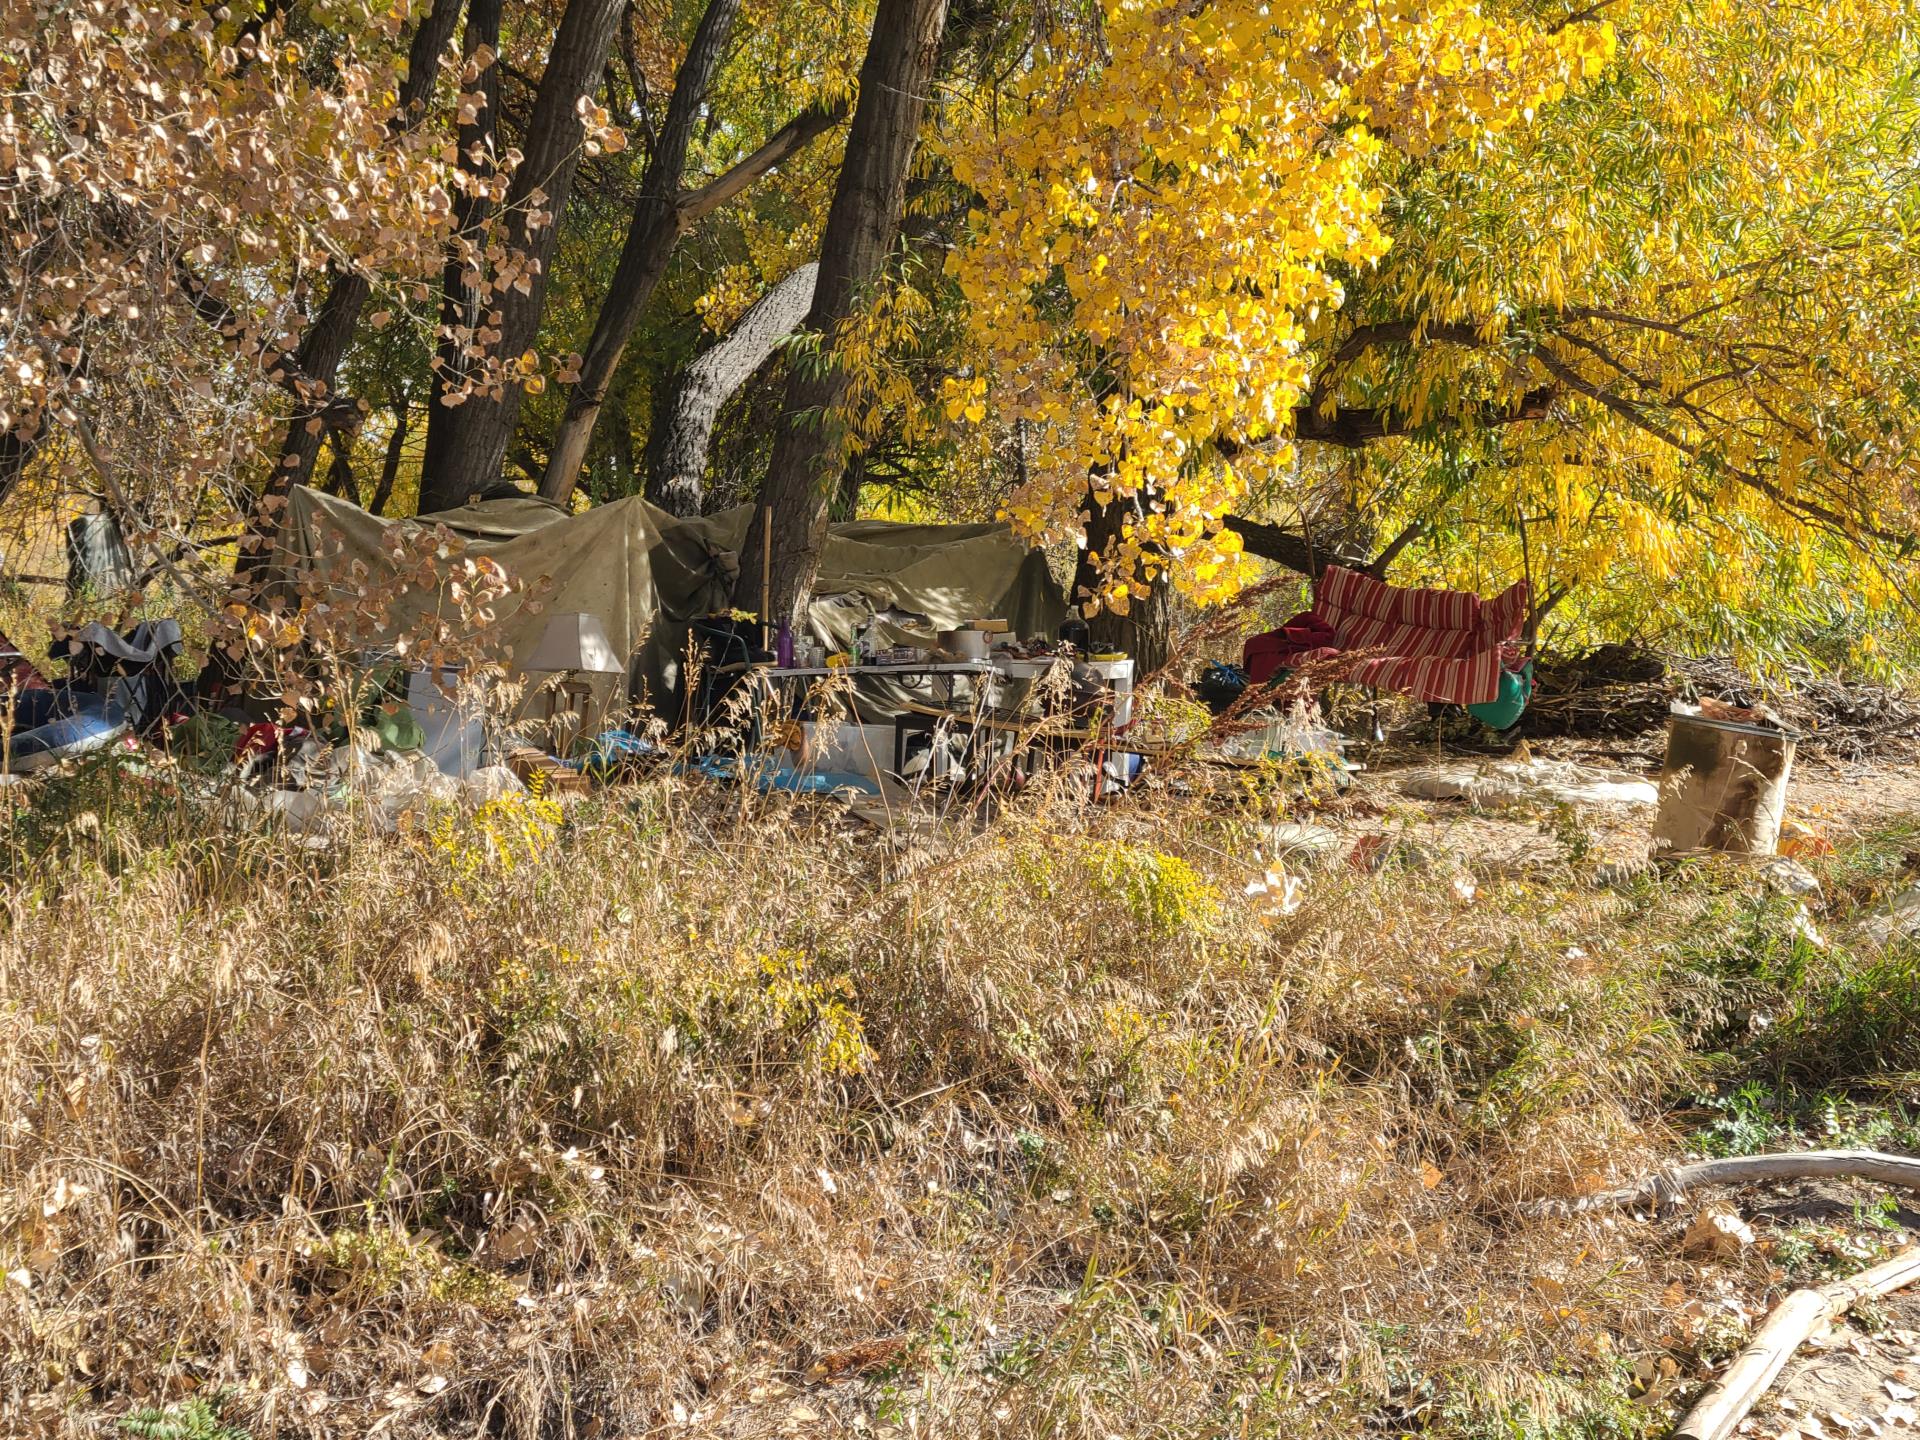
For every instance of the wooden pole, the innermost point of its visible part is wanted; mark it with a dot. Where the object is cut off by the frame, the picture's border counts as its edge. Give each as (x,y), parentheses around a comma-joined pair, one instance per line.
(766,576)
(1793,1321)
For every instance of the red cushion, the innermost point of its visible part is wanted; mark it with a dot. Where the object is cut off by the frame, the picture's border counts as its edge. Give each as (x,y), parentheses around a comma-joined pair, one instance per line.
(1265,655)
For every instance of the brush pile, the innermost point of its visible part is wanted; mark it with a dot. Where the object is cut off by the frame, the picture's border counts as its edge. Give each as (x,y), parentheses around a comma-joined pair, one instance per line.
(1623,690)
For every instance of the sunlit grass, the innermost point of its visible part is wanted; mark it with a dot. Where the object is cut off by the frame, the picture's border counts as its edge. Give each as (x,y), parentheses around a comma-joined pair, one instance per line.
(676,1109)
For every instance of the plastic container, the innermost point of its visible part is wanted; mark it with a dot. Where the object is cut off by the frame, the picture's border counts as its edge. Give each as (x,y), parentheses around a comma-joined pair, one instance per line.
(1017,669)
(1723,788)
(450,724)
(1115,673)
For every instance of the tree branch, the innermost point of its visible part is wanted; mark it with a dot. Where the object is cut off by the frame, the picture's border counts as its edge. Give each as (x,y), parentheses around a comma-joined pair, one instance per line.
(1377,567)
(1636,416)
(336,412)
(1352,427)
(788,140)
(1578,17)
(1307,554)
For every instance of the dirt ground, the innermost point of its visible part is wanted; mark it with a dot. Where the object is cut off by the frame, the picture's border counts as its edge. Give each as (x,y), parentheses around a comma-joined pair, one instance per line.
(1862,1378)
(1836,799)
(1851,1381)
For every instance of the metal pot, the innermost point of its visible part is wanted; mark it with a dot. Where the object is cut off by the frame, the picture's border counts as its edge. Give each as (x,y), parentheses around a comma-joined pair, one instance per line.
(965,644)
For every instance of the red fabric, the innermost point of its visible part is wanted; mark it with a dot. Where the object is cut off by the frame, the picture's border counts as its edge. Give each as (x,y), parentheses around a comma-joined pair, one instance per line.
(1305,636)
(16,671)
(1445,645)
(264,738)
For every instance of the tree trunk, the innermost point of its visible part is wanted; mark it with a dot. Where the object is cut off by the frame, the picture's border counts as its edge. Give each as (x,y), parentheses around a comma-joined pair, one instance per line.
(15,450)
(340,479)
(461,311)
(390,463)
(861,223)
(327,338)
(1309,554)
(846,496)
(474,447)
(651,237)
(620,443)
(651,240)
(1145,631)
(683,427)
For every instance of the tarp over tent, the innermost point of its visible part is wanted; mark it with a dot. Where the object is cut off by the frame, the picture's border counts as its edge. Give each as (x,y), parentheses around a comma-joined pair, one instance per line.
(647,574)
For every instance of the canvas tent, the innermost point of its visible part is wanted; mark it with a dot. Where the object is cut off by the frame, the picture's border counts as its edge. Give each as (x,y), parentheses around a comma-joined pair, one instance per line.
(648,575)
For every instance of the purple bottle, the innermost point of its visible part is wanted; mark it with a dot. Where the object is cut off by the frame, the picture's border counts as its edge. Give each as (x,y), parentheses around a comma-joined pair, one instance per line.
(783,647)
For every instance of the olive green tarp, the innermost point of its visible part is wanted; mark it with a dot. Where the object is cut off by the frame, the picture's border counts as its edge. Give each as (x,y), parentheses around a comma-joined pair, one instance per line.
(647,575)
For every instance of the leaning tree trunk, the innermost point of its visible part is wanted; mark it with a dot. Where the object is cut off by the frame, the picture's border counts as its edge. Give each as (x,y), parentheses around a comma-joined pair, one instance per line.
(340,479)
(390,462)
(327,338)
(861,224)
(663,215)
(474,435)
(683,429)
(652,235)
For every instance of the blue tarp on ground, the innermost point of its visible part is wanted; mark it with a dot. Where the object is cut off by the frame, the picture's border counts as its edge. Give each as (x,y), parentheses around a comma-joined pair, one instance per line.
(768,778)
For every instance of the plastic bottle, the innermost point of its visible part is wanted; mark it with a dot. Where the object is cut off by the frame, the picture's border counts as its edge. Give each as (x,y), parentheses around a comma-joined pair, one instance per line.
(783,647)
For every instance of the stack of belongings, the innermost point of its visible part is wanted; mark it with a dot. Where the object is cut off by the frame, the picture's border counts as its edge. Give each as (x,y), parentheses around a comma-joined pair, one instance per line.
(1444,646)
(118,687)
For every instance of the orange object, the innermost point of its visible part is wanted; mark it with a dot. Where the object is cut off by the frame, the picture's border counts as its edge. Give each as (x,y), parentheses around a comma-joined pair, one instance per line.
(1801,841)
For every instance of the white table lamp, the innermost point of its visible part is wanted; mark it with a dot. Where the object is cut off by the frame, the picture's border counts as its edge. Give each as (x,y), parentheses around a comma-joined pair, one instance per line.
(572,645)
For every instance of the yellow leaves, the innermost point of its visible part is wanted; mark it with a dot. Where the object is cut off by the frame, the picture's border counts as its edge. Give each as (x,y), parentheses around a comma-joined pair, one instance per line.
(1163,234)
(1190,194)
(600,134)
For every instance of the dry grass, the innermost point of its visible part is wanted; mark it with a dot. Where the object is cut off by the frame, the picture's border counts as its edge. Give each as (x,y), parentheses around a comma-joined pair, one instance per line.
(725,1118)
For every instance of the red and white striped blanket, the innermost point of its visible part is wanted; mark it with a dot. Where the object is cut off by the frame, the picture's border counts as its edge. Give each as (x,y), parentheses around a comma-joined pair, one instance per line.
(1445,645)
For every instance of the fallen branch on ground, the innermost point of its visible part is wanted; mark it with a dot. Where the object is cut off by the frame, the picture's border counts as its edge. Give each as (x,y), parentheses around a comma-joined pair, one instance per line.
(1793,1322)
(1662,1190)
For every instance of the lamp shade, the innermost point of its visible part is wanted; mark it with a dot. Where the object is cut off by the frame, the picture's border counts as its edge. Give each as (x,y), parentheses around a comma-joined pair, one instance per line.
(574,641)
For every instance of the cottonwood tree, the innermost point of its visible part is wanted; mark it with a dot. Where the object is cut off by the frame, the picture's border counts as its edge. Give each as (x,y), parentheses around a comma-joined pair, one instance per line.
(174,187)
(350,285)
(1589,309)
(663,214)
(1675,373)
(1170,208)
(677,447)
(498,286)
(790,523)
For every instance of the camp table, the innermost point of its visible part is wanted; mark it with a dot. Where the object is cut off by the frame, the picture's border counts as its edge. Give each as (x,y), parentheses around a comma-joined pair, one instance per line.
(940,676)
(1030,730)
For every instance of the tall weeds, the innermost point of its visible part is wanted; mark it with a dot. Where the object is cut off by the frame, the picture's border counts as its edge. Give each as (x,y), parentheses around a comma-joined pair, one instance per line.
(699,1114)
